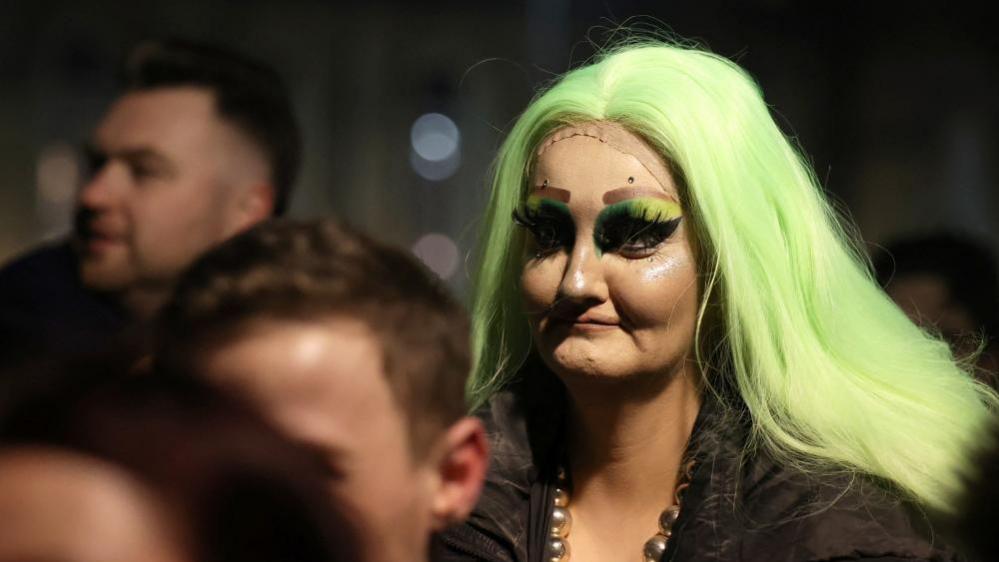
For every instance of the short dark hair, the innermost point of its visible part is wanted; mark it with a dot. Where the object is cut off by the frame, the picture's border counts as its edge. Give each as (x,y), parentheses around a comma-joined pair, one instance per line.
(313,271)
(965,264)
(248,94)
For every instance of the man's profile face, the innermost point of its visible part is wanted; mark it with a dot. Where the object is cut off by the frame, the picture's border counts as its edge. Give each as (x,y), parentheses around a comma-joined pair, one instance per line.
(165,168)
(323,383)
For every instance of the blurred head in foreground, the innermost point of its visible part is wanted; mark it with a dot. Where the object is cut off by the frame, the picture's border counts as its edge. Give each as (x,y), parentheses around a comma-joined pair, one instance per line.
(61,505)
(100,467)
(350,345)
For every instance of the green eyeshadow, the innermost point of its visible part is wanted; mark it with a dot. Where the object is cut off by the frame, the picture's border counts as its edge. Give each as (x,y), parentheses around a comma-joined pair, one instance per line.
(647,219)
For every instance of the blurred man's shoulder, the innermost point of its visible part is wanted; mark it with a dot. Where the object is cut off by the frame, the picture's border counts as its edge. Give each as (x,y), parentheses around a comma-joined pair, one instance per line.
(44,266)
(45,311)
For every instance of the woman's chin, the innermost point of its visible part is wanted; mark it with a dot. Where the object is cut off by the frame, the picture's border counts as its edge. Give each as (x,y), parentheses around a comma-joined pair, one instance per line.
(573,359)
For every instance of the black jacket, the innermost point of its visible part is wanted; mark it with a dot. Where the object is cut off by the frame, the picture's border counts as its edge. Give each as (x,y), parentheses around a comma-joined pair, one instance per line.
(738,507)
(47,313)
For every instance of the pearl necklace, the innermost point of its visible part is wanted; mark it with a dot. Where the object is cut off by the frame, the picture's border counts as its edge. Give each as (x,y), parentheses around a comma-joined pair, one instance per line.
(655,547)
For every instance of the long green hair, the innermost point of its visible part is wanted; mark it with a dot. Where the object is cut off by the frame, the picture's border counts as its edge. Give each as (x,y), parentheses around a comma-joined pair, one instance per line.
(832,373)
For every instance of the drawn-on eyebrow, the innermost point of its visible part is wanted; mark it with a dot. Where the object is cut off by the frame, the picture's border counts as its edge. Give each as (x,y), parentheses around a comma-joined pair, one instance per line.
(555,193)
(625,193)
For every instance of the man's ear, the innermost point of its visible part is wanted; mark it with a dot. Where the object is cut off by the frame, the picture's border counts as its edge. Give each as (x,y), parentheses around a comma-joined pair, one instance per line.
(461,472)
(254,204)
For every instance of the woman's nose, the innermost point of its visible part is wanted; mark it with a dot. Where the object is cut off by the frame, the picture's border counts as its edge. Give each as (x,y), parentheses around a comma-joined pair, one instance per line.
(583,279)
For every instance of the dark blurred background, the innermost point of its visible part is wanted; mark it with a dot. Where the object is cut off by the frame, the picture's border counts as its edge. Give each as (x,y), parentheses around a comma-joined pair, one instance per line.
(403,104)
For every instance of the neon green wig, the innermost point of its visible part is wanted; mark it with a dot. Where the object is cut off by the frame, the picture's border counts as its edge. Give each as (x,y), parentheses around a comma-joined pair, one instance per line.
(833,374)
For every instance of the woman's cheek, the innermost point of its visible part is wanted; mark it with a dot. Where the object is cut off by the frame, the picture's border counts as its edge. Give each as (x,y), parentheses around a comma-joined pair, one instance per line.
(660,269)
(539,283)
(653,290)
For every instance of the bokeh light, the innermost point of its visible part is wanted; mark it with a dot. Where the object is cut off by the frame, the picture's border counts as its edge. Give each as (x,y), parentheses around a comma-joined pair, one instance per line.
(436,146)
(439,253)
(57,174)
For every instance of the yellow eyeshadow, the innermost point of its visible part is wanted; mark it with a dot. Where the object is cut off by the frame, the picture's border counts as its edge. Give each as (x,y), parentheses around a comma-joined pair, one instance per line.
(651,209)
(534,202)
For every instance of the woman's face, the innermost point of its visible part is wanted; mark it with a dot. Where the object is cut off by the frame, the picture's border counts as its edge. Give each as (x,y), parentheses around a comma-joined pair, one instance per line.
(609,279)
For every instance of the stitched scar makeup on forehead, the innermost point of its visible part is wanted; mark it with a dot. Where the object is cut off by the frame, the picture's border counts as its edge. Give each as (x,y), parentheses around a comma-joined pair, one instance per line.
(619,138)
(636,219)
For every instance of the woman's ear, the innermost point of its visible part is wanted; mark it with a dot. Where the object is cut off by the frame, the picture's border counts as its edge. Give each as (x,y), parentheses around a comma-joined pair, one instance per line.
(461,471)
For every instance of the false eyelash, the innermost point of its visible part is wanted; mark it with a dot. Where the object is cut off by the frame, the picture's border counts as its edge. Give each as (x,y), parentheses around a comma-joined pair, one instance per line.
(623,231)
(527,220)
(549,230)
(531,219)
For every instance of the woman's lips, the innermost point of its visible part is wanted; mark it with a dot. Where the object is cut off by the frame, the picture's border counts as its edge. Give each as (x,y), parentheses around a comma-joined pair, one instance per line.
(586,323)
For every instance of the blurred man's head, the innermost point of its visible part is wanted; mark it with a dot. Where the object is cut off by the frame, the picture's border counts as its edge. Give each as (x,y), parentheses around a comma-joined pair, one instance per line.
(946,283)
(59,505)
(201,144)
(350,345)
(99,463)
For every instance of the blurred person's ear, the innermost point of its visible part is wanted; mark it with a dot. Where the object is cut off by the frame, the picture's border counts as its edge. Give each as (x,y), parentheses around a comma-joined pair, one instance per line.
(254,204)
(463,459)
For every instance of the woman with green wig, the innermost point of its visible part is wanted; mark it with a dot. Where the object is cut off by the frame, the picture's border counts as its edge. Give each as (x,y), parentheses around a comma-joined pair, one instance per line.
(680,353)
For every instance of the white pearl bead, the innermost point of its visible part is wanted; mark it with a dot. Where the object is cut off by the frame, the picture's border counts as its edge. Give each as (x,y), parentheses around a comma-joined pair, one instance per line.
(558,550)
(668,518)
(561,522)
(655,548)
(561,497)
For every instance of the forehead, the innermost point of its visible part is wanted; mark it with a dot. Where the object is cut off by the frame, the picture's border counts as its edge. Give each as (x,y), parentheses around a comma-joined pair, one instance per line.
(158,116)
(586,163)
(324,382)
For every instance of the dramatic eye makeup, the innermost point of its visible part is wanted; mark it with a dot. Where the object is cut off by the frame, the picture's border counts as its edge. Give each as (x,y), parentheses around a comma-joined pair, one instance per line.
(634,223)
(549,222)
(636,227)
